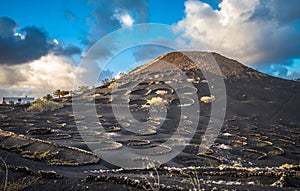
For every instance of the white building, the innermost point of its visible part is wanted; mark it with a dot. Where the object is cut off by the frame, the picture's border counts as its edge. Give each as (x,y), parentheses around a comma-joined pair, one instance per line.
(17,100)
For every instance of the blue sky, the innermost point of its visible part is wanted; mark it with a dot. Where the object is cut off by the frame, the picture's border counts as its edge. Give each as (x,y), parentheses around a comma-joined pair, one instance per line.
(263,34)
(68,21)
(57,17)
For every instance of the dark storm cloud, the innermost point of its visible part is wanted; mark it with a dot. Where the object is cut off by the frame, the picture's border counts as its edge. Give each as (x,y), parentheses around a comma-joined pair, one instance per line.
(103,20)
(283,41)
(30,45)
(280,45)
(8,27)
(281,12)
(15,49)
(68,50)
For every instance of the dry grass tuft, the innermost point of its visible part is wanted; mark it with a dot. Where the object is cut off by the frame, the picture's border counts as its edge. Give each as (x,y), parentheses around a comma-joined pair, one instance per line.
(208,99)
(157,101)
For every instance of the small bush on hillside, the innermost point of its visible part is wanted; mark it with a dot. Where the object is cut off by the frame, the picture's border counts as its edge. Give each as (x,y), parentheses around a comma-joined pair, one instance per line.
(48,97)
(157,101)
(208,99)
(161,92)
(112,85)
(44,105)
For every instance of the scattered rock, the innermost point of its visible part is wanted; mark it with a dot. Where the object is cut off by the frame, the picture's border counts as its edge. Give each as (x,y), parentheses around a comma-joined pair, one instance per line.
(48,174)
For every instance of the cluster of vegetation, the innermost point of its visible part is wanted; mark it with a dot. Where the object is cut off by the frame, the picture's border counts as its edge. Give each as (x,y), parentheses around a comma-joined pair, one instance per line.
(157,101)
(47,103)
(208,99)
(106,81)
(191,177)
(44,105)
(61,93)
(48,97)
(112,85)
(109,83)
(156,178)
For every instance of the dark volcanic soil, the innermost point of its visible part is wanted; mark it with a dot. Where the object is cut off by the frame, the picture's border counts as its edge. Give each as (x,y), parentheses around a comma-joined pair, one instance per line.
(258,147)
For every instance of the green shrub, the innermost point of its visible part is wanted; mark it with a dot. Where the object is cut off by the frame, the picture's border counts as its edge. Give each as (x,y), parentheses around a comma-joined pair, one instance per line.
(48,97)
(44,105)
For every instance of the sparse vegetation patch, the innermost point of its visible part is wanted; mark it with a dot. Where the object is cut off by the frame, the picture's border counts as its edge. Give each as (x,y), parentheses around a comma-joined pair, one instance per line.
(208,99)
(44,105)
(157,101)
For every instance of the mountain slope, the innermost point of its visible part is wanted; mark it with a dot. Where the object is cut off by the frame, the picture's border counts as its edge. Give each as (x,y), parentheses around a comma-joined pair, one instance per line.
(262,113)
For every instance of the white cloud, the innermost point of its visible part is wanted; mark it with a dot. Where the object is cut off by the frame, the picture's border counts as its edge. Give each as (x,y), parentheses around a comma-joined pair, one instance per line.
(250,31)
(236,11)
(55,41)
(124,19)
(293,75)
(22,37)
(38,77)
